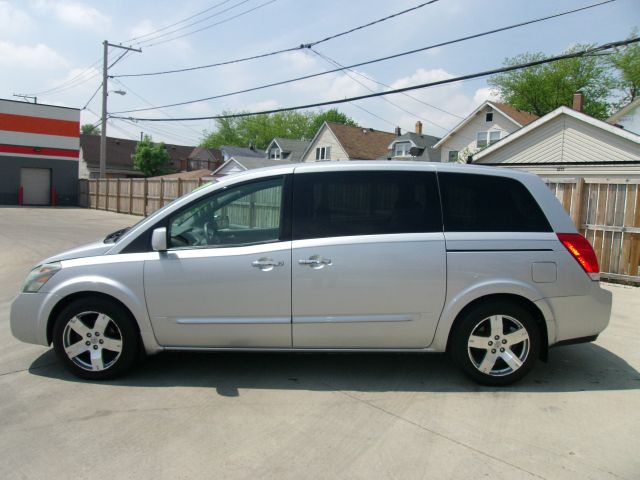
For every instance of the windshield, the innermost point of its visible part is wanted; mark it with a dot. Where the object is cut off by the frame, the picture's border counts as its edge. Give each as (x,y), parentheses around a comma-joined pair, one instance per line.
(113,237)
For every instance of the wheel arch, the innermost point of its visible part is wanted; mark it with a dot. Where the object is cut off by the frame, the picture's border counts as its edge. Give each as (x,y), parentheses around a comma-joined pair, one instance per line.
(521,301)
(69,299)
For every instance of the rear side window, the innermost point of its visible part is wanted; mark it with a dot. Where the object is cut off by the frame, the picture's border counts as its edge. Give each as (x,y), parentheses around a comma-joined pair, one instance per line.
(338,204)
(484,203)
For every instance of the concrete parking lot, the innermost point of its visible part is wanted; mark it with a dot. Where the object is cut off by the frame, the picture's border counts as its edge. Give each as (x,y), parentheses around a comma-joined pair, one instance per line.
(403,416)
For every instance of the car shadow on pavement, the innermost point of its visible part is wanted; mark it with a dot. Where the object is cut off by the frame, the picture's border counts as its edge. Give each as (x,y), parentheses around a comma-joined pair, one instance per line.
(587,367)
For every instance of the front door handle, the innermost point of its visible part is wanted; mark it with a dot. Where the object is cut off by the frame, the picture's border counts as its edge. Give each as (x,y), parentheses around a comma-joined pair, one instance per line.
(316,261)
(266,264)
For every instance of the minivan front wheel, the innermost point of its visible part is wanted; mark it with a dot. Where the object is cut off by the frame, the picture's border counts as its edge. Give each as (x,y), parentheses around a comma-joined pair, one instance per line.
(496,343)
(95,339)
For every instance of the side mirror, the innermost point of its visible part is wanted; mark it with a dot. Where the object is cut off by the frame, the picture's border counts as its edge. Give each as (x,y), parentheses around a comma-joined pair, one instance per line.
(159,239)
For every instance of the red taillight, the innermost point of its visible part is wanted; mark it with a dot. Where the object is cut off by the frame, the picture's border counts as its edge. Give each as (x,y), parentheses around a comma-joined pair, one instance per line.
(582,251)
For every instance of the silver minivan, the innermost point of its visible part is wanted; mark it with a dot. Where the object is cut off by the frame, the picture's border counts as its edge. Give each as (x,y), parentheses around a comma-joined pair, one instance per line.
(480,262)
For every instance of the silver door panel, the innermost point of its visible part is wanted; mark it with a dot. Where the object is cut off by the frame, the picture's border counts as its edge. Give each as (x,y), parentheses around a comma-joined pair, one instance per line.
(216,297)
(379,291)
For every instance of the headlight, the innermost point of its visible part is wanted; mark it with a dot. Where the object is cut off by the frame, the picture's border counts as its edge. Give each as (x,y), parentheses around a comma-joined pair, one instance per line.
(39,276)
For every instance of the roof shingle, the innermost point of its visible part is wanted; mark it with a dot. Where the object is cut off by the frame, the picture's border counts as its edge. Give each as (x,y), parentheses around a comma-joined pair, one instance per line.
(361,143)
(520,116)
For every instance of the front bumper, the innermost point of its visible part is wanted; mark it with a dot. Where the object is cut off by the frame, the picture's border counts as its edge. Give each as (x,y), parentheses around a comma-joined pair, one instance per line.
(29,315)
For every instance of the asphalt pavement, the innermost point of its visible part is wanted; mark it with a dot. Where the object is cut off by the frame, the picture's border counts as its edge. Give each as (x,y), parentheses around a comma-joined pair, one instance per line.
(324,416)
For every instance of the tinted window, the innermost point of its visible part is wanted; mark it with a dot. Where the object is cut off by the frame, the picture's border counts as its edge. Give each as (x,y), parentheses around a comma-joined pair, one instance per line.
(365,203)
(483,203)
(243,214)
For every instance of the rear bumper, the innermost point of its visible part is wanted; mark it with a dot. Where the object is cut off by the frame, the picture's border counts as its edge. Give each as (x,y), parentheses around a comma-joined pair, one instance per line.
(580,318)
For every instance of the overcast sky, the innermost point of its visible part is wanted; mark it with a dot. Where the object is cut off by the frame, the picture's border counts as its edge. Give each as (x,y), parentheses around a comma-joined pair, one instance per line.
(46,44)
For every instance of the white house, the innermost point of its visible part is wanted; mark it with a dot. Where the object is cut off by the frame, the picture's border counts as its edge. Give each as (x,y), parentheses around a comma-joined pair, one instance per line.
(486,125)
(568,143)
(335,141)
(628,118)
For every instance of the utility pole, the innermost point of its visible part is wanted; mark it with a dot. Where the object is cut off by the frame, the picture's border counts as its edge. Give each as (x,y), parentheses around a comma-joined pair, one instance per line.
(105,93)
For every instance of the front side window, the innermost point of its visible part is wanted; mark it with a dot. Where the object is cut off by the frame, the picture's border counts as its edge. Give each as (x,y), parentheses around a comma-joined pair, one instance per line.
(323,153)
(238,215)
(401,149)
(365,203)
(484,203)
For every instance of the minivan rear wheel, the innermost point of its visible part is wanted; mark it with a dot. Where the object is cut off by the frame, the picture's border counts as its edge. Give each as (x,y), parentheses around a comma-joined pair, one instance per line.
(496,343)
(95,339)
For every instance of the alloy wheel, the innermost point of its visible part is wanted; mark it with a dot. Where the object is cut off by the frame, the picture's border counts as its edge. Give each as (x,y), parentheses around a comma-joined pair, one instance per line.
(92,341)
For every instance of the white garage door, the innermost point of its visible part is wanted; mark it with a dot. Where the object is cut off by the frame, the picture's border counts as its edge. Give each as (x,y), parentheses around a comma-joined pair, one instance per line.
(36,186)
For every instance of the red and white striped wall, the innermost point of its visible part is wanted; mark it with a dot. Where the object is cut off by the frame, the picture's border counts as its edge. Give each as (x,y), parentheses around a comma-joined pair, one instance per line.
(39,131)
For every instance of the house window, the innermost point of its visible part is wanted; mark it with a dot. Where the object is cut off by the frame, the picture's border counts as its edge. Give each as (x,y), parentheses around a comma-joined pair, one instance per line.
(489,117)
(274,153)
(453,155)
(484,139)
(401,149)
(323,153)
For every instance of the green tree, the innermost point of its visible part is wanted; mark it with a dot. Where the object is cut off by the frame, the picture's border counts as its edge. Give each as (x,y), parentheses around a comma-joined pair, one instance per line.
(151,158)
(331,115)
(259,130)
(90,129)
(627,62)
(543,88)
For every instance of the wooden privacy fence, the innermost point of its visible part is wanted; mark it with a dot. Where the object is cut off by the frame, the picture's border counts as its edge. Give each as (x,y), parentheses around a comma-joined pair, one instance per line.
(606,212)
(135,196)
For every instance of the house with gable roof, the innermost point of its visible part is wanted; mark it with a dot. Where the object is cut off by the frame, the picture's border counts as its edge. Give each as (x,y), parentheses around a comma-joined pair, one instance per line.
(336,141)
(413,146)
(485,126)
(286,149)
(568,143)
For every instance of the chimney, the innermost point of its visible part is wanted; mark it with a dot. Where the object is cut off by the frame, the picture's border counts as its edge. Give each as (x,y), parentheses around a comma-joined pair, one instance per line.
(578,101)
(398,133)
(419,127)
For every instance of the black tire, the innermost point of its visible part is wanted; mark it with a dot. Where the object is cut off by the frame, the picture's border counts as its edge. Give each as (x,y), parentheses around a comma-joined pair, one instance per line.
(115,348)
(496,361)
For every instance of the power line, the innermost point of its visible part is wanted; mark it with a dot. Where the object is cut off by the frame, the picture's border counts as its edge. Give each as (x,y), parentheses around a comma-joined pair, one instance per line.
(184,27)
(150,104)
(92,97)
(212,25)
(389,17)
(485,73)
(335,63)
(371,79)
(374,115)
(77,80)
(70,80)
(368,62)
(277,52)
(177,23)
(159,131)
(74,81)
